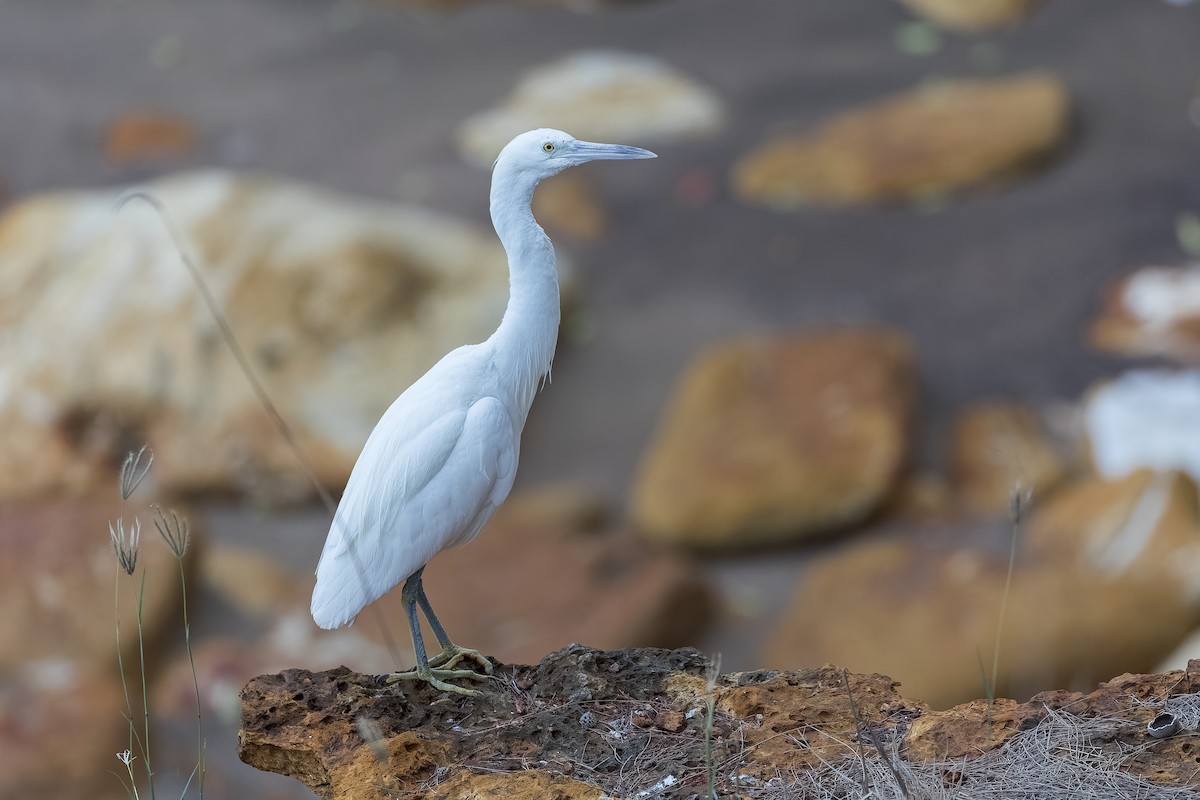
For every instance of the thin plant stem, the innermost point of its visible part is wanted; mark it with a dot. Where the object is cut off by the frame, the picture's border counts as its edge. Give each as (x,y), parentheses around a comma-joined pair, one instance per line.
(187,640)
(121,658)
(145,692)
(1018,504)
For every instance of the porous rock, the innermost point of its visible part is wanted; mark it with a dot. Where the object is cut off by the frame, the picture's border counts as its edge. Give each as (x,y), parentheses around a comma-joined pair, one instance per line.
(346,735)
(598,95)
(937,138)
(1153,311)
(109,344)
(972,16)
(1104,582)
(773,439)
(999,449)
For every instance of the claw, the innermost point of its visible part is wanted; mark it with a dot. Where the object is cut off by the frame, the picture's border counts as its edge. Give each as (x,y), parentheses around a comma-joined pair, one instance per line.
(437,679)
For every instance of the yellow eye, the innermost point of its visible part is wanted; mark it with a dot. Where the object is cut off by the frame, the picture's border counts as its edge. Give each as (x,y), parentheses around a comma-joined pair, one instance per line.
(548,147)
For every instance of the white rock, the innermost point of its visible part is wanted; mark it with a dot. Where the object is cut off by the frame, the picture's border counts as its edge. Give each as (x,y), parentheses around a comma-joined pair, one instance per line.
(597,95)
(105,343)
(1146,418)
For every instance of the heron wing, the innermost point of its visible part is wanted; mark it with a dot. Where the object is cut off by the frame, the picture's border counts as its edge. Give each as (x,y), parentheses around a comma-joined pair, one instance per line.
(415,490)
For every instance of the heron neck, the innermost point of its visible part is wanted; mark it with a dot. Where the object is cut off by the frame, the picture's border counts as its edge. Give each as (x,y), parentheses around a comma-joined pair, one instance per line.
(528,332)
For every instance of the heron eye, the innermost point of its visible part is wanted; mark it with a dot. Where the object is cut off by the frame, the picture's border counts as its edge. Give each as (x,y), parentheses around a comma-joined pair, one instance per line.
(548,147)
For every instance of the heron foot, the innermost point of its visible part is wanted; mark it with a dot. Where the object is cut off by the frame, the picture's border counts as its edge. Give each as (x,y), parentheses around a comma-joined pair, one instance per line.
(453,654)
(437,678)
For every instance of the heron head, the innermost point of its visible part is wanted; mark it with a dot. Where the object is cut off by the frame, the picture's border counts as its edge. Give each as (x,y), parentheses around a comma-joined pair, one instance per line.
(545,152)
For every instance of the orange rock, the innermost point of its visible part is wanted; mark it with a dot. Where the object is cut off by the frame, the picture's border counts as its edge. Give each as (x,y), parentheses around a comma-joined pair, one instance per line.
(1104,583)
(771,440)
(934,139)
(148,136)
(569,204)
(998,449)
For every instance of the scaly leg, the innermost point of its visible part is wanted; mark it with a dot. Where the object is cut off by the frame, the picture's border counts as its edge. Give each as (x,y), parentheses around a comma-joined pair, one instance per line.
(451,653)
(423,672)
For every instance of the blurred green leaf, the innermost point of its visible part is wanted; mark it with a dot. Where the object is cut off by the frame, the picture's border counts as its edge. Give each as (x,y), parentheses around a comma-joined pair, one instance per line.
(917,39)
(1187,230)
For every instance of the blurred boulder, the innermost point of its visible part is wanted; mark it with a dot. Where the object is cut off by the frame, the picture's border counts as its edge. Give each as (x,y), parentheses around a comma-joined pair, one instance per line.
(771,440)
(338,304)
(61,729)
(973,16)
(58,575)
(62,592)
(937,138)
(1155,311)
(139,136)
(998,449)
(598,95)
(1105,583)
(1145,418)
(569,204)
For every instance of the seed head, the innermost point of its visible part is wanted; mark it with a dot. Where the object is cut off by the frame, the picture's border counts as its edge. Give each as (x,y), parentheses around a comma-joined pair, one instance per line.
(133,471)
(173,529)
(125,543)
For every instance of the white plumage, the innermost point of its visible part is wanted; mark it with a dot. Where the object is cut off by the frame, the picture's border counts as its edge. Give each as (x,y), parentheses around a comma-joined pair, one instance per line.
(444,455)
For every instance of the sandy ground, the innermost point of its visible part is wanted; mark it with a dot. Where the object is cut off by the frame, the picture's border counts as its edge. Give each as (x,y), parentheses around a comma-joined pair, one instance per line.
(996,289)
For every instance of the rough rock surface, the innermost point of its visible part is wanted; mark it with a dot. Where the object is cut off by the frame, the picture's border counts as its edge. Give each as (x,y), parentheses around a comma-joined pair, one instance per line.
(999,448)
(109,345)
(1153,311)
(1104,581)
(931,140)
(770,440)
(597,95)
(587,724)
(973,15)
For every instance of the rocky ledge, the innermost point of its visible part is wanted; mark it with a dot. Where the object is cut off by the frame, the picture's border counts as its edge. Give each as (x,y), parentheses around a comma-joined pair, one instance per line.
(646,723)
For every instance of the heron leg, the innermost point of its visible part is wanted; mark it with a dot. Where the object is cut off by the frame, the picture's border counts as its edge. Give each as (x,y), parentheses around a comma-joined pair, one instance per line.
(451,653)
(437,678)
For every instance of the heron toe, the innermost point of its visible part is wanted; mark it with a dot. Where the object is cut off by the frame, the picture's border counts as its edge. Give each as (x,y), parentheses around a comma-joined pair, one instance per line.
(437,678)
(453,654)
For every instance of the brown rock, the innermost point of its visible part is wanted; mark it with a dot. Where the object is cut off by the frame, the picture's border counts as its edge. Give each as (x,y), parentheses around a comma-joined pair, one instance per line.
(771,440)
(934,139)
(998,449)
(58,574)
(1154,311)
(569,204)
(972,16)
(817,732)
(532,582)
(1104,583)
(148,136)
(251,581)
(61,727)
(111,344)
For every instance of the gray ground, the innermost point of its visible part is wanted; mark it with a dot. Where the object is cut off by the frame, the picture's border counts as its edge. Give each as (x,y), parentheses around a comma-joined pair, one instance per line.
(364,98)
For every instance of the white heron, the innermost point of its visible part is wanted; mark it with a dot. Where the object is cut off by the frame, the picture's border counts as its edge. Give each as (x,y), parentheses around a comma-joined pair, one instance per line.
(444,455)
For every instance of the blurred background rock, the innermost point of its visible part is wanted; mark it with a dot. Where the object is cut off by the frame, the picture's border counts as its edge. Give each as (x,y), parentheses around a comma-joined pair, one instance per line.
(895,262)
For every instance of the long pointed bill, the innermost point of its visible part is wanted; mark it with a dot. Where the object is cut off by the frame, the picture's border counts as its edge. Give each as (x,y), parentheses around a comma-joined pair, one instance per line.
(594,151)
